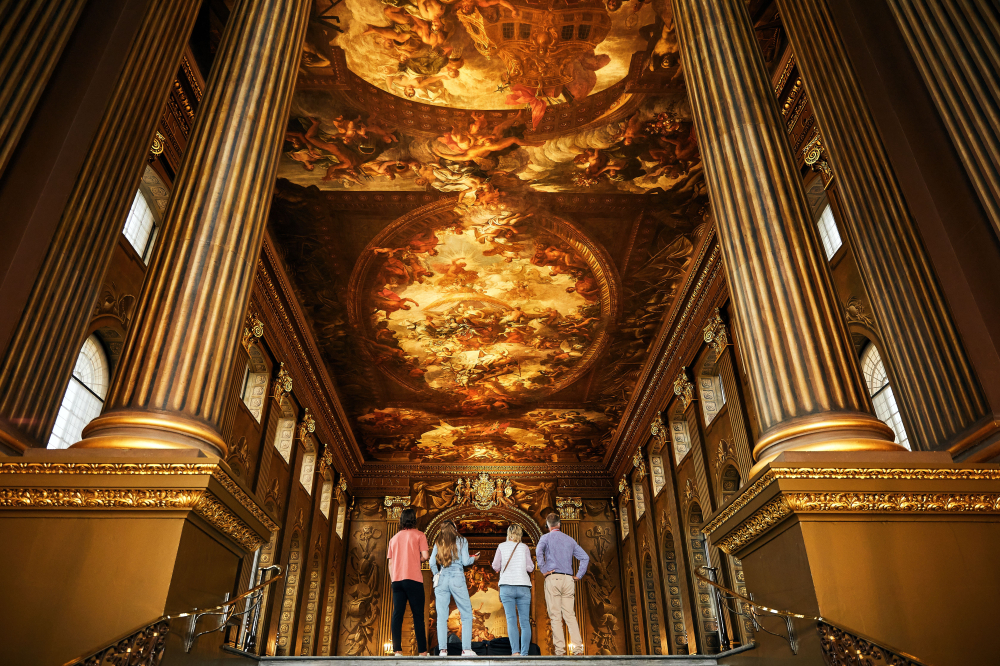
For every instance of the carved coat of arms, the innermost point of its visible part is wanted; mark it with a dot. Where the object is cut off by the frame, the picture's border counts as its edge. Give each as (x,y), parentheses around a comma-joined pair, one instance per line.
(483,492)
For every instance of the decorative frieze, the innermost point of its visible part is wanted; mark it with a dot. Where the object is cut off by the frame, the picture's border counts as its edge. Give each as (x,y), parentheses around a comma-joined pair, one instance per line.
(394,505)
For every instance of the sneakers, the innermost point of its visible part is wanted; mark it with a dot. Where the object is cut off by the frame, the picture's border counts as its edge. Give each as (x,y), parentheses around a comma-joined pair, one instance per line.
(443,653)
(469,653)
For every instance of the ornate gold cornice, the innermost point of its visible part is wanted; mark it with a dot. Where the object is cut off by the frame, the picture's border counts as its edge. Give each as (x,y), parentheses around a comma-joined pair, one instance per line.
(787,504)
(85,498)
(215,512)
(140,498)
(848,473)
(132,469)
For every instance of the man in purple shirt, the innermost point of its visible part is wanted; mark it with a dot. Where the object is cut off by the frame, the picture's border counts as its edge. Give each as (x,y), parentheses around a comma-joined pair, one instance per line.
(555,552)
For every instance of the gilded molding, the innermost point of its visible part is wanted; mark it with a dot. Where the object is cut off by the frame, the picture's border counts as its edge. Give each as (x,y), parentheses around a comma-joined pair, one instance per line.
(249,503)
(215,512)
(132,469)
(787,504)
(715,333)
(84,498)
(848,473)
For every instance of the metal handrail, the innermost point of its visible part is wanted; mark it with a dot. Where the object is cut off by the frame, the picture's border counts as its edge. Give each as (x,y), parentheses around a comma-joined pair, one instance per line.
(789,615)
(145,644)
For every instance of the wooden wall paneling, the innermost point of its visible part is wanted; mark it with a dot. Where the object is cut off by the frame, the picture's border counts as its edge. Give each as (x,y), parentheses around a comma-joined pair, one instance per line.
(601,587)
(332,586)
(677,616)
(365,567)
(309,610)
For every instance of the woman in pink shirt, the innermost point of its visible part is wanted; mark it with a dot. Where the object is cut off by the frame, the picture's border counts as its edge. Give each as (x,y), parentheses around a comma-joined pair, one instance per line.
(406,551)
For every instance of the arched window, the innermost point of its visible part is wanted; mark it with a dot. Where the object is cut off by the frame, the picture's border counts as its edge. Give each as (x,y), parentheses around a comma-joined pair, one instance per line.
(878,386)
(255,383)
(681,438)
(140,226)
(84,397)
(829,235)
(710,389)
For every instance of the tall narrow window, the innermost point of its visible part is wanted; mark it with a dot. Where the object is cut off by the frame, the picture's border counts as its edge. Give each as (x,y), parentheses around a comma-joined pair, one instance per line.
(140,226)
(308,469)
(829,235)
(878,385)
(681,439)
(326,497)
(84,397)
(255,383)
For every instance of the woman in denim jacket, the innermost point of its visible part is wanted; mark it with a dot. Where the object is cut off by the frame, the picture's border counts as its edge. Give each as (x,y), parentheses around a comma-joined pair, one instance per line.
(448,562)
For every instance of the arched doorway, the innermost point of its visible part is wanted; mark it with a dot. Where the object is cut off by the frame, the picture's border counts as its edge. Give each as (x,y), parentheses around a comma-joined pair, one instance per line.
(485,530)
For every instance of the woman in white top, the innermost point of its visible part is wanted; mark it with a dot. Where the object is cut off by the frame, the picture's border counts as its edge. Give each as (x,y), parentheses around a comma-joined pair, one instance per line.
(513,561)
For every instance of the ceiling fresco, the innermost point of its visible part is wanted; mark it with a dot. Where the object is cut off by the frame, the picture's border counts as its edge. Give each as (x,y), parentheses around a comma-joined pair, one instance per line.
(486,208)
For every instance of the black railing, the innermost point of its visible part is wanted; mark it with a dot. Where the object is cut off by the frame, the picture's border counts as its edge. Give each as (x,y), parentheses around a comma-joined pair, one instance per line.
(144,647)
(841,646)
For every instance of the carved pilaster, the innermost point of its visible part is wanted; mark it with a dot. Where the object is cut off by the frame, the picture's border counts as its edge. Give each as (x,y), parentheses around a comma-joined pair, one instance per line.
(805,377)
(569,508)
(394,505)
(175,368)
(935,383)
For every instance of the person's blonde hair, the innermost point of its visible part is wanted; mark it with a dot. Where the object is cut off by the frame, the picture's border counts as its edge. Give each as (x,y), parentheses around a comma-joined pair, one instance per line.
(447,544)
(514,533)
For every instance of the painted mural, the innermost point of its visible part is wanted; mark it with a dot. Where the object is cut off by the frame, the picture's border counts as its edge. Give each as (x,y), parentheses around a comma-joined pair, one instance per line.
(486,208)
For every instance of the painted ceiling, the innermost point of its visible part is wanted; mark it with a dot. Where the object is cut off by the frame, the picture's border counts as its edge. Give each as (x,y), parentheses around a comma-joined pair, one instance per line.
(486,208)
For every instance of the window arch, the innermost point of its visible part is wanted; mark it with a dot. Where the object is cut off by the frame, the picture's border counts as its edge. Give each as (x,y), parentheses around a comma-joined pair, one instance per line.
(284,433)
(829,235)
(710,388)
(84,397)
(877,380)
(255,383)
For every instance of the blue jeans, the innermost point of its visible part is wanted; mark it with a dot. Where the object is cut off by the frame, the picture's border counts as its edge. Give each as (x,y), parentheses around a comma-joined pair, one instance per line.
(452,585)
(516,600)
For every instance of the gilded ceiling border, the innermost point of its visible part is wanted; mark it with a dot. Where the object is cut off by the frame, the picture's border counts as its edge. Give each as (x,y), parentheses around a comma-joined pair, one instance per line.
(306,357)
(706,270)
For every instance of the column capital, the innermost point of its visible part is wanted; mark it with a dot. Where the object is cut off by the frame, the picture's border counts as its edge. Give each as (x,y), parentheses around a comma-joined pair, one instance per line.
(683,388)
(715,333)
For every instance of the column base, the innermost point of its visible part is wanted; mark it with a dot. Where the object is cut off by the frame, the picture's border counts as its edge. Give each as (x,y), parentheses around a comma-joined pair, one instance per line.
(98,543)
(123,429)
(829,431)
(900,547)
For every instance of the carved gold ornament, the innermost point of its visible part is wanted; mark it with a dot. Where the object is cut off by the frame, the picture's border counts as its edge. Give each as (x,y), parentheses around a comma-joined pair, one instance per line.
(326,462)
(786,504)
(658,429)
(624,490)
(814,154)
(848,473)
(856,313)
(253,330)
(216,513)
(283,383)
(640,465)
(683,388)
(569,507)
(715,333)
(394,505)
(484,492)
(307,425)
(158,144)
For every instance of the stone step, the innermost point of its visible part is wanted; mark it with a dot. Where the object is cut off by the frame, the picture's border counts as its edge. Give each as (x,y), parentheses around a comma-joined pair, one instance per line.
(692,660)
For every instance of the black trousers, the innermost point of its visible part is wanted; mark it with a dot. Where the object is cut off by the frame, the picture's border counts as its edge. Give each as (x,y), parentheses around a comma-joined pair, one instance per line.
(412,591)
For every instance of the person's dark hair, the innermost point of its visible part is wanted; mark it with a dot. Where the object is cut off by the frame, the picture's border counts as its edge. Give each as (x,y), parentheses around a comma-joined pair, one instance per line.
(408,519)
(552,520)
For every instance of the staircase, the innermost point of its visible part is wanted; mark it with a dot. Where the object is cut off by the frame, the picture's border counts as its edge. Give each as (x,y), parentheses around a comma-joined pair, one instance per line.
(674,660)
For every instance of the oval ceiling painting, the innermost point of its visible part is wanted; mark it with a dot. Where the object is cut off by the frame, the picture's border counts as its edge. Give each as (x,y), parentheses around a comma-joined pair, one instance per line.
(479,309)
(491,54)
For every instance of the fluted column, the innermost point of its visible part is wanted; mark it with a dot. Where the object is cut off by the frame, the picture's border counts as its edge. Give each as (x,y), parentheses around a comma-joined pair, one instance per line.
(955,46)
(805,377)
(937,386)
(32,37)
(44,346)
(170,388)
